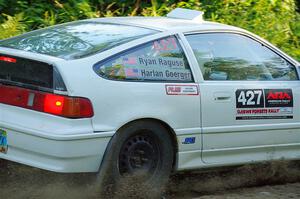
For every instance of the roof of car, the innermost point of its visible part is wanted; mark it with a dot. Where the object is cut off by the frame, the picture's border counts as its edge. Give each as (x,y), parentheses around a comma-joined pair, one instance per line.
(166,23)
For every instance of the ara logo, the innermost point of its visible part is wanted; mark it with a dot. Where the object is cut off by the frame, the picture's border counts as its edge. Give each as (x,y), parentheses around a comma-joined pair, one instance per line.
(278,96)
(189,140)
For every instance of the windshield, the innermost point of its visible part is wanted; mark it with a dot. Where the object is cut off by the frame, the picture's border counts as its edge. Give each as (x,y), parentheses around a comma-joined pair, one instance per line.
(77,39)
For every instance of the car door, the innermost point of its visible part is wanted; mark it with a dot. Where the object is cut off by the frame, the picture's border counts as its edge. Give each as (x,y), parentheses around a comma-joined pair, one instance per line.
(249,96)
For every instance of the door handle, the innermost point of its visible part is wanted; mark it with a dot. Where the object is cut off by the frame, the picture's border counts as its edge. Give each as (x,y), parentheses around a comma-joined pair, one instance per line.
(222,96)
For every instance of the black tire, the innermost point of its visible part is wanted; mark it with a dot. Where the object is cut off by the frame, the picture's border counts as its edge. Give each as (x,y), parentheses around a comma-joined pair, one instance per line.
(138,162)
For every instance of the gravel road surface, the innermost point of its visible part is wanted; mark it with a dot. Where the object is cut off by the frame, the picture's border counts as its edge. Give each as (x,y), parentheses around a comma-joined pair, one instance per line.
(264,181)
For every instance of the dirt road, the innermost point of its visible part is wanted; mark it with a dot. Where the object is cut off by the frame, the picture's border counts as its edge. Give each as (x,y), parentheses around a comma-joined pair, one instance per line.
(247,182)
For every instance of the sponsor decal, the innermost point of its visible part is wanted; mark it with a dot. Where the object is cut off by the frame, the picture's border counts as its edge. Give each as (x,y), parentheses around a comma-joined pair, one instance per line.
(264,117)
(255,104)
(182,90)
(189,140)
(279,98)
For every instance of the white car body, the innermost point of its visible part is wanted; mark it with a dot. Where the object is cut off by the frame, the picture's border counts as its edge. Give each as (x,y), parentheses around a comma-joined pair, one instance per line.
(208,116)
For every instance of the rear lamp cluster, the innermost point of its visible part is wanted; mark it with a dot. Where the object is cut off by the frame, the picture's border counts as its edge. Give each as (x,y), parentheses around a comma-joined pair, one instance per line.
(60,105)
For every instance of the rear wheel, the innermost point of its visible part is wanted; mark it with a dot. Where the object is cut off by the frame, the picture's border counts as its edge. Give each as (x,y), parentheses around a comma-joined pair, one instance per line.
(138,161)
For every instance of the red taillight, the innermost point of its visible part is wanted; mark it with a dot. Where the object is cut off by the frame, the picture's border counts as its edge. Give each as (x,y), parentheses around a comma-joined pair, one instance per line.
(54,104)
(71,107)
(8,59)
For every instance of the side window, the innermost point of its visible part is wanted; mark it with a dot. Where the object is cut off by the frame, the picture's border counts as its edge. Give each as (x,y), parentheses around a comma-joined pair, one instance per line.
(228,56)
(160,60)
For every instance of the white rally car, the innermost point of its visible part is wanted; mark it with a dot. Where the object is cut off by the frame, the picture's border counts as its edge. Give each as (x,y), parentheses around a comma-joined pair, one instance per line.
(131,95)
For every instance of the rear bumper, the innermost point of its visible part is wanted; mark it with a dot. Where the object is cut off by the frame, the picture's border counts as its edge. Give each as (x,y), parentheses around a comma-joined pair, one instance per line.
(58,153)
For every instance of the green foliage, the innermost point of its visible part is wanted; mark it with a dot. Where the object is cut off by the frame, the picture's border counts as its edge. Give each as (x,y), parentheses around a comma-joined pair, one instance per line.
(12,26)
(278,21)
(274,20)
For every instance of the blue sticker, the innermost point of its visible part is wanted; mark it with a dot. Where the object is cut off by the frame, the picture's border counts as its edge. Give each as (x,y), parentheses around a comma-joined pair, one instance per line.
(3,141)
(189,140)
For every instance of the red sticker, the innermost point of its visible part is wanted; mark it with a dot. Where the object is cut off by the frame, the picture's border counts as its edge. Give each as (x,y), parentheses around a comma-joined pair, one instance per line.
(167,44)
(182,90)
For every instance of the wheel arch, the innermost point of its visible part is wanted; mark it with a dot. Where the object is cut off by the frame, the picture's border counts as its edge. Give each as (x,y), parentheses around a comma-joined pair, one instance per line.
(169,129)
(106,171)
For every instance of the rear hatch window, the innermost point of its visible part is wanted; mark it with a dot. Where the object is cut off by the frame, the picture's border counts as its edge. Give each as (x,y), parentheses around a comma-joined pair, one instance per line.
(29,73)
(76,40)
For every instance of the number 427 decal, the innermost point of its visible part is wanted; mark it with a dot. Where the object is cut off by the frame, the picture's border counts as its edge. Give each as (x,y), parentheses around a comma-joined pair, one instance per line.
(249,98)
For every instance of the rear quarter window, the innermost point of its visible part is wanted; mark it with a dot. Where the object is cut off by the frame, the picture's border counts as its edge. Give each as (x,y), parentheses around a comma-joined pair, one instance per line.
(160,60)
